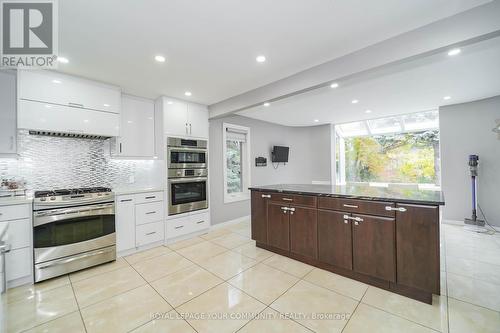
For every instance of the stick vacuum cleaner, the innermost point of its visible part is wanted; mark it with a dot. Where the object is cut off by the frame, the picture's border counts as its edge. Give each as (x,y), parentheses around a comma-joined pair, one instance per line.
(474,221)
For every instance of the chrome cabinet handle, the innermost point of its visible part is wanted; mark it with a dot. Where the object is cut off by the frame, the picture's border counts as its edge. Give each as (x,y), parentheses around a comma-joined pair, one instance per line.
(187,128)
(345,221)
(350,206)
(179,227)
(357,219)
(125,200)
(151,233)
(190,129)
(11,142)
(287,199)
(79,105)
(399,209)
(199,222)
(151,213)
(284,209)
(266,196)
(151,197)
(291,209)
(356,223)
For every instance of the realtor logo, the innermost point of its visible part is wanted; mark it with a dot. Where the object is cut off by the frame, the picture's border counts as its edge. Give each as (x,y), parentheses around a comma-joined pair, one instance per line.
(29,37)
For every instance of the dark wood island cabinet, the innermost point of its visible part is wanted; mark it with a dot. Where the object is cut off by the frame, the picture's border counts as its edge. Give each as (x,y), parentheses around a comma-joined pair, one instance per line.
(384,237)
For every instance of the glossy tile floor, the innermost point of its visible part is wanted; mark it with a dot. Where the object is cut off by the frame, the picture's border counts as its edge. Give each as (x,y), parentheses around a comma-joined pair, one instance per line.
(220,282)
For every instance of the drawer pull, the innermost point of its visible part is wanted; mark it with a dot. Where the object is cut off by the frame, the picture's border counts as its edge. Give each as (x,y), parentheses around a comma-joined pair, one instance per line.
(398,209)
(151,233)
(199,222)
(179,227)
(125,200)
(266,195)
(287,199)
(350,206)
(154,212)
(151,197)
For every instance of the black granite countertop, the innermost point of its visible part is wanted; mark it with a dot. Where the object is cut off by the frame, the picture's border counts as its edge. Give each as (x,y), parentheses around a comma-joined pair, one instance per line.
(366,192)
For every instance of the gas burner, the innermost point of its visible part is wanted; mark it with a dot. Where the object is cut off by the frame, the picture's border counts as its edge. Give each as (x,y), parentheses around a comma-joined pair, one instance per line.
(73,191)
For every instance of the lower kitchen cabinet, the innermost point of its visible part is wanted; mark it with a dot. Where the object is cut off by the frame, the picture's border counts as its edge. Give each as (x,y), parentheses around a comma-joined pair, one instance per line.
(278,226)
(187,224)
(125,222)
(334,239)
(374,248)
(259,216)
(303,231)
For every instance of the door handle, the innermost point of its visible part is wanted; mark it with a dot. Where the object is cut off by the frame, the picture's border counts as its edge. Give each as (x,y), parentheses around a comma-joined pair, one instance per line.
(350,206)
(11,142)
(187,128)
(190,129)
(120,147)
(266,195)
(284,209)
(199,222)
(154,212)
(179,227)
(356,223)
(398,209)
(357,219)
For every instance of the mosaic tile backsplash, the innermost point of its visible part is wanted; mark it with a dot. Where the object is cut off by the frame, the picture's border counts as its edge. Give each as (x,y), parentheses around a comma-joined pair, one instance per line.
(52,162)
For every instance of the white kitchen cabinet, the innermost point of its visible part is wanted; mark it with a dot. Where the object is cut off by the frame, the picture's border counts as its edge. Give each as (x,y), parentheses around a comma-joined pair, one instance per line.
(125,222)
(8,125)
(187,224)
(198,120)
(19,233)
(149,233)
(181,118)
(176,117)
(137,130)
(62,89)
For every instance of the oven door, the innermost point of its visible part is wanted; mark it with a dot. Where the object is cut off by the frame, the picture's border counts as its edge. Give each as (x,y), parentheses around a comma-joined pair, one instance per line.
(187,194)
(182,158)
(64,232)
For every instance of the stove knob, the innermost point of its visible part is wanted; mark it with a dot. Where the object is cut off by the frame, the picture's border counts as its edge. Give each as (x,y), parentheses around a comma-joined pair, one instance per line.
(52,198)
(43,199)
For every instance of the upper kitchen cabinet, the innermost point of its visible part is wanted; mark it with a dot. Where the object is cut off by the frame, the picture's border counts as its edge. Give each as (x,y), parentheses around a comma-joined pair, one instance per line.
(8,126)
(181,118)
(56,88)
(137,130)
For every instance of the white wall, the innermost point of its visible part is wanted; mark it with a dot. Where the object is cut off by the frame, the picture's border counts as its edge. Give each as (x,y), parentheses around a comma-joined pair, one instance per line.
(309,160)
(466,129)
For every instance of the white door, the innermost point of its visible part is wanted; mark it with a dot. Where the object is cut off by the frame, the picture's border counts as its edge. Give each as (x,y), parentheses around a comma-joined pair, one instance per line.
(7,113)
(125,222)
(175,117)
(198,120)
(137,135)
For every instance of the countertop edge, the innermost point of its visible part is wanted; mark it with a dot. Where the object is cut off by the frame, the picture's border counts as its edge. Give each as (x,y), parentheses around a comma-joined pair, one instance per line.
(11,201)
(137,190)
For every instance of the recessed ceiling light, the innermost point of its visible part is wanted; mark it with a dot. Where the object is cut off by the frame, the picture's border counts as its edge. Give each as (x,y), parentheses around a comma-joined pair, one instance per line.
(170,102)
(316,120)
(260,58)
(334,85)
(56,81)
(446,98)
(266,104)
(187,93)
(160,58)
(368,111)
(454,52)
(354,101)
(62,60)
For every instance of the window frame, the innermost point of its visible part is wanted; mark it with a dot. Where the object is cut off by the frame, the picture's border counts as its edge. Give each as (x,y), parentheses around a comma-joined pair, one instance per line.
(245,164)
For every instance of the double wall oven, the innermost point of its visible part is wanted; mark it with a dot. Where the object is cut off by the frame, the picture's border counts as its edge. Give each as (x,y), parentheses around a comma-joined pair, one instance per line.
(72,229)
(187,162)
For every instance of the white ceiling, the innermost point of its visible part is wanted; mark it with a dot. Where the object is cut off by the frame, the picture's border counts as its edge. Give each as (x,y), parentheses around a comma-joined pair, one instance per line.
(411,87)
(211,46)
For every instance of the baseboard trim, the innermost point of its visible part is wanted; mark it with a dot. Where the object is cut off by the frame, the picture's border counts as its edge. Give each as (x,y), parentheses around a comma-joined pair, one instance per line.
(461,223)
(230,222)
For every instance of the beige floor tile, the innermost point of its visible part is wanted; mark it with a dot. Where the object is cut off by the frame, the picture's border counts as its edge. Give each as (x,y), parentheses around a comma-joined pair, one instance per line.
(167,325)
(201,252)
(181,286)
(370,319)
(254,252)
(270,321)
(242,226)
(466,318)
(230,241)
(102,286)
(215,233)
(124,312)
(71,323)
(158,267)
(433,316)
(308,303)
(147,254)
(288,265)
(31,290)
(474,291)
(263,282)
(185,243)
(443,284)
(474,269)
(41,308)
(204,312)
(335,282)
(228,264)
(93,271)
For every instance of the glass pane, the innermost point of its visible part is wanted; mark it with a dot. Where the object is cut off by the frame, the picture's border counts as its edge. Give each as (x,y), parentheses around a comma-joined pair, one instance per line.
(188,192)
(353,129)
(421,121)
(385,125)
(187,157)
(234,166)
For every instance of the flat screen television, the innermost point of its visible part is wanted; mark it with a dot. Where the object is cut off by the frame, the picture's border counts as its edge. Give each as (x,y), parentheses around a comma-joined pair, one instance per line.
(279,154)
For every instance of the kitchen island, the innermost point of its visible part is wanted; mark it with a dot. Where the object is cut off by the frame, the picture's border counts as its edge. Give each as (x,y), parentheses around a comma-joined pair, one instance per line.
(385,237)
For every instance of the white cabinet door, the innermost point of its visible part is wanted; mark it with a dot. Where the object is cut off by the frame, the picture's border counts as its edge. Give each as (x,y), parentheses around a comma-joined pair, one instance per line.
(125,222)
(198,120)
(137,132)
(62,89)
(8,124)
(18,263)
(175,117)
(18,233)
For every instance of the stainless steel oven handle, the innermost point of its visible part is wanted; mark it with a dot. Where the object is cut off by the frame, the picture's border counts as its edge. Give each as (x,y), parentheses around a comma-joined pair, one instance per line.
(183,149)
(188,180)
(51,217)
(66,261)
(73,210)
(72,203)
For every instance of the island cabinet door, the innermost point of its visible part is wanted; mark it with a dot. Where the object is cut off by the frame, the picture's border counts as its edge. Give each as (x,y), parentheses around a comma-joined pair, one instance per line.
(334,239)
(259,216)
(417,247)
(304,231)
(278,226)
(374,246)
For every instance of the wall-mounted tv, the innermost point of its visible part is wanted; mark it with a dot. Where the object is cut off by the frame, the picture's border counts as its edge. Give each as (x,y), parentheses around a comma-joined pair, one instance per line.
(279,154)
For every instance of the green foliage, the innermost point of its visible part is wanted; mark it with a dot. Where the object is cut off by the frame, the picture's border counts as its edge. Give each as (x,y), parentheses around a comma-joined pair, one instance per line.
(234,166)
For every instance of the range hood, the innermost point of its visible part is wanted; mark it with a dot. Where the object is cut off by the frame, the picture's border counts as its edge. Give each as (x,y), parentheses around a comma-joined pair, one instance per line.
(69,135)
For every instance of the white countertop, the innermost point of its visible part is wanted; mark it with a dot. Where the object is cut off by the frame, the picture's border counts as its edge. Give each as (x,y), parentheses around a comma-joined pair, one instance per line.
(7,201)
(136,190)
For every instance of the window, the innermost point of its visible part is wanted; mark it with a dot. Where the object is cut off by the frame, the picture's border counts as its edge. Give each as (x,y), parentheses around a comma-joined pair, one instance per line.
(402,150)
(236,154)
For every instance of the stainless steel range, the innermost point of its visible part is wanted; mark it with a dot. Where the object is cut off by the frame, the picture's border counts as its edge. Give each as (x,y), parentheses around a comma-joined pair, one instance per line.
(72,229)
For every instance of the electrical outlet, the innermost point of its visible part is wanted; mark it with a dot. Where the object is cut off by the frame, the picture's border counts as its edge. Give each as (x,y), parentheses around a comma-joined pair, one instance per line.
(131,179)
